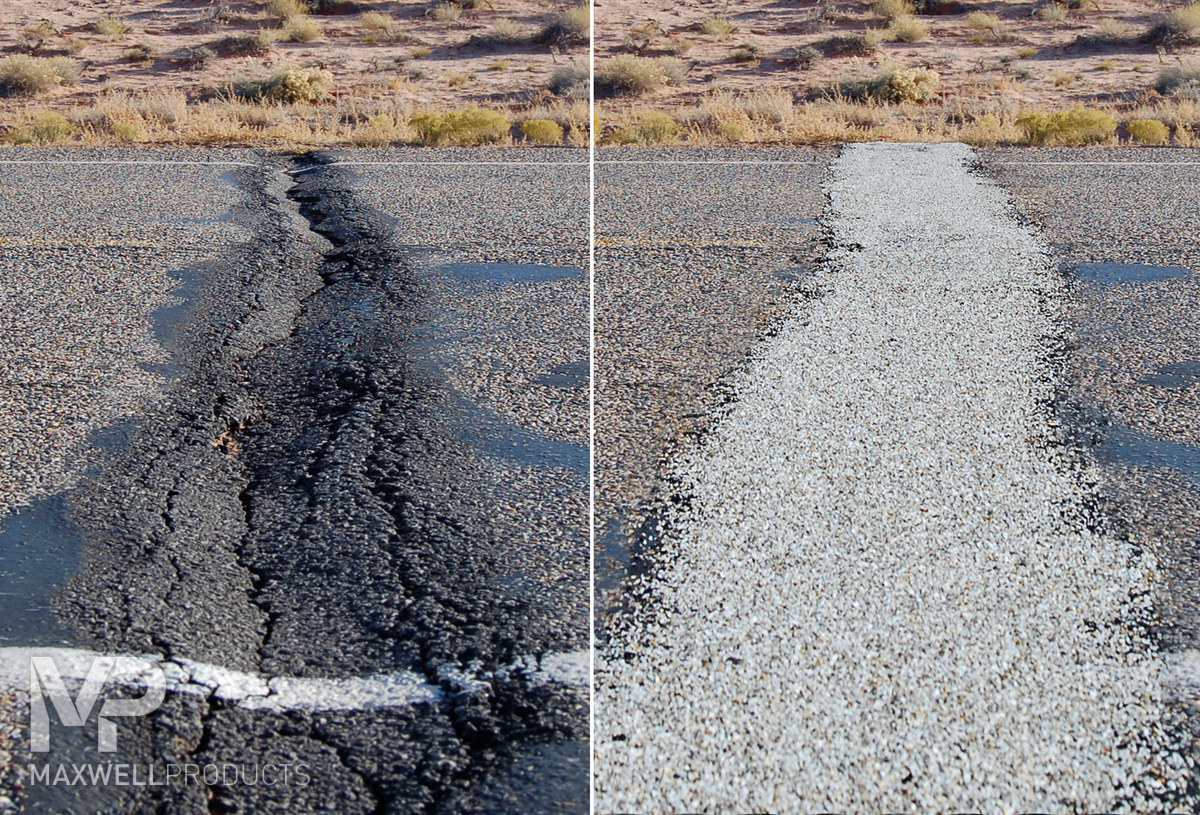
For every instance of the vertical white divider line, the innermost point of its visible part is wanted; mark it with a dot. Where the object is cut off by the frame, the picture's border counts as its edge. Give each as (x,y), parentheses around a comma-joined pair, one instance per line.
(591,402)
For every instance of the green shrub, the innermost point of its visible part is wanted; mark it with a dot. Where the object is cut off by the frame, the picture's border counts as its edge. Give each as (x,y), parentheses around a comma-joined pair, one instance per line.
(142,52)
(849,45)
(199,57)
(245,45)
(460,127)
(22,75)
(746,52)
(542,131)
(629,75)
(652,127)
(1180,80)
(50,127)
(126,131)
(571,27)
(1149,131)
(801,58)
(1076,126)
(1177,27)
(572,82)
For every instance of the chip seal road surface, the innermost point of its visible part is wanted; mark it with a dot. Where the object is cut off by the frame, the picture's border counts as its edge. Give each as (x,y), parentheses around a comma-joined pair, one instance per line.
(881,592)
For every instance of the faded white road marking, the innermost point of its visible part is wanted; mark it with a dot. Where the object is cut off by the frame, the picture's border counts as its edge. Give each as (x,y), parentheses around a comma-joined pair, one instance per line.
(255,691)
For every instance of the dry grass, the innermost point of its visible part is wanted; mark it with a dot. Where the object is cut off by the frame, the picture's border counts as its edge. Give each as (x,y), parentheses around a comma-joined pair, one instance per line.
(627,74)
(298,28)
(892,10)
(907,28)
(1149,131)
(22,75)
(447,13)
(283,9)
(112,27)
(379,23)
(1053,13)
(718,28)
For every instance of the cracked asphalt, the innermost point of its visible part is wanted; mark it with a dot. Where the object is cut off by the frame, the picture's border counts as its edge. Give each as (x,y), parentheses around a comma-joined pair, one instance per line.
(362,450)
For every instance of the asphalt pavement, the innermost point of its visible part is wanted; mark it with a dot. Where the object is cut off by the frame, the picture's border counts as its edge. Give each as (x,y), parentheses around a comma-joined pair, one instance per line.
(361,473)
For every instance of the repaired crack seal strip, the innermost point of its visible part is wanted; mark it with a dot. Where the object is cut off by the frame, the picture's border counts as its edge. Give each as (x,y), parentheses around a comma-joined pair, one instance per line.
(880,593)
(256,691)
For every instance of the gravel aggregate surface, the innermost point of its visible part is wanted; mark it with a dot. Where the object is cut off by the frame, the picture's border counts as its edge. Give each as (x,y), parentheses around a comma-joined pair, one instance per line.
(1129,384)
(880,589)
(699,251)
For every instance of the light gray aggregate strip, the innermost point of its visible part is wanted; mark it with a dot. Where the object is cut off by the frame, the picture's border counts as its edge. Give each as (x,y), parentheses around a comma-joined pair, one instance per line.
(879,594)
(1129,387)
(699,253)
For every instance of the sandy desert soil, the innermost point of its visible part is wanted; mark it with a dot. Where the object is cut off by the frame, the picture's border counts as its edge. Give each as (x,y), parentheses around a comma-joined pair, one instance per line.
(1097,56)
(491,56)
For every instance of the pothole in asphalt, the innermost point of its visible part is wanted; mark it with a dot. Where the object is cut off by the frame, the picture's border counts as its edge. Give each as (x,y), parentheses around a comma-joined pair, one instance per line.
(509,272)
(1107,274)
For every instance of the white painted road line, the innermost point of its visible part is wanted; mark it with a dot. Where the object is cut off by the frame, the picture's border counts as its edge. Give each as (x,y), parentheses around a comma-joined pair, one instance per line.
(104,162)
(879,597)
(1099,163)
(668,162)
(256,691)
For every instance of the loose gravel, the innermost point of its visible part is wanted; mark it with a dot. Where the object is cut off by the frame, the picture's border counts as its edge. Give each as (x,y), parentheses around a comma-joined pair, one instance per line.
(880,593)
